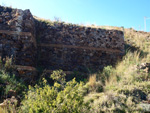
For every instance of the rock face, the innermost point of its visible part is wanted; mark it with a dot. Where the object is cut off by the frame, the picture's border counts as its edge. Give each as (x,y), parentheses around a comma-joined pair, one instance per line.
(32,43)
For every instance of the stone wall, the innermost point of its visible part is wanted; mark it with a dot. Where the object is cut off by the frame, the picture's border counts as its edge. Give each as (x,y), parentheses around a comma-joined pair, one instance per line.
(35,44)
(72,47)
(17,40)
(16,36)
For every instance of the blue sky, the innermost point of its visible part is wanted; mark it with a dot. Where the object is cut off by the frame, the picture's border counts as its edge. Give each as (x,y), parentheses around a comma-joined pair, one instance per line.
(127,13)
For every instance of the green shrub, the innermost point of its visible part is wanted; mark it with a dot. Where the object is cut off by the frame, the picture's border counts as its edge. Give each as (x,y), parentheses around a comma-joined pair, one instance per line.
(8,82)
(55,99)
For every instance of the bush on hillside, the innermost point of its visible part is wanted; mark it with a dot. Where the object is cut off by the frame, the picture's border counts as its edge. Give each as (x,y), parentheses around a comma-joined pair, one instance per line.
(63,97)
(9,82)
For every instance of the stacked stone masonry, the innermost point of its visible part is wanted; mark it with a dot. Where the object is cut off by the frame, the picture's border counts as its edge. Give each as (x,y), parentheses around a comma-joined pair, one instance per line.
(31,42)
(17,38)
(72,47)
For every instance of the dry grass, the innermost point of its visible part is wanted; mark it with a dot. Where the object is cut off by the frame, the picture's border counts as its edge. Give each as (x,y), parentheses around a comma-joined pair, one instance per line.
(3,110)
(8,109)
(125,69)
(92,80)
(94,85)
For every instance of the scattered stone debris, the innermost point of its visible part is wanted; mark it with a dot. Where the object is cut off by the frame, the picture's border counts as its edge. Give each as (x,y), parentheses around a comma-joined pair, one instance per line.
(144,66)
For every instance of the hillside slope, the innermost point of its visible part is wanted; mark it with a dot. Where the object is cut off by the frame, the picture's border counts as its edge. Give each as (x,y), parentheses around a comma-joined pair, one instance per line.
(124,87)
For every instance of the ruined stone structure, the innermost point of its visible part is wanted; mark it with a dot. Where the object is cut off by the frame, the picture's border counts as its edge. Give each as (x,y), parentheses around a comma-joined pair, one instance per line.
(34,43)
(17,39)
(71,47)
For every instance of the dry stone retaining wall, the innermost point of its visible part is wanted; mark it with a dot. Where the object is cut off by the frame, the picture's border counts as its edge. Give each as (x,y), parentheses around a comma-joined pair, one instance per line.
(32,44)
(72,47)
(17,38)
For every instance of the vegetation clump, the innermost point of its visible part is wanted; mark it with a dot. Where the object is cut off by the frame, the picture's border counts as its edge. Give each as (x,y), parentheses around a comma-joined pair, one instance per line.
(62,97)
